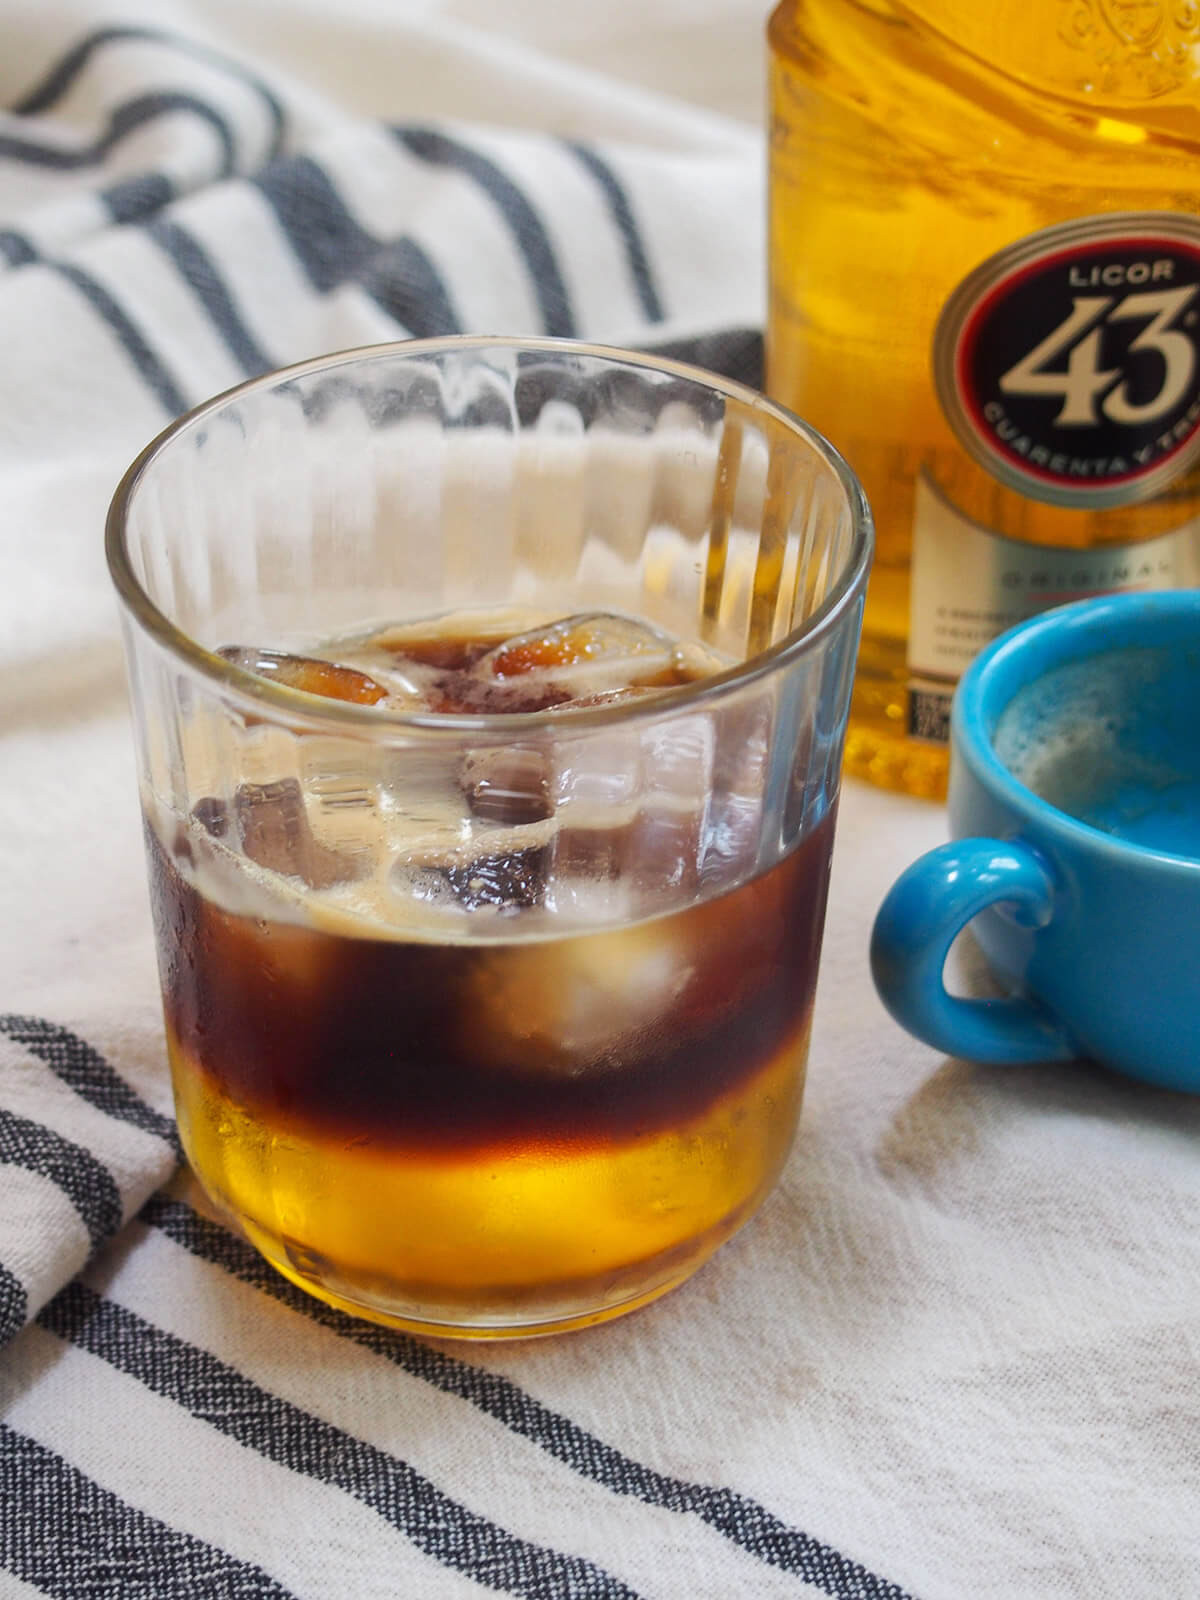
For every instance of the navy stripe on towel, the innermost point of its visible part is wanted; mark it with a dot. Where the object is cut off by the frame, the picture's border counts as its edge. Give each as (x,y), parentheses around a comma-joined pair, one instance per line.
(333,248)
(735,353)
(64,72)
(622,214)
(86,1182)
(428,144)
(134,199)
(16,248)
(328,242)
(150,368)
(404,281)
(68,1537)
(229,1402)
(124,120)
(83,1069)
(200,273)
(14,1305)
(742,1521)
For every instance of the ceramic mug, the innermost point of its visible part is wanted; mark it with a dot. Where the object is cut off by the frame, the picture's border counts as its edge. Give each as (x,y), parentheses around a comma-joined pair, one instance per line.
(1074,810)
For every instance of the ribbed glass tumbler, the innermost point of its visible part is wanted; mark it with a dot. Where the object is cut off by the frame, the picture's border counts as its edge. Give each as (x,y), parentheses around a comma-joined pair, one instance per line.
(489,699)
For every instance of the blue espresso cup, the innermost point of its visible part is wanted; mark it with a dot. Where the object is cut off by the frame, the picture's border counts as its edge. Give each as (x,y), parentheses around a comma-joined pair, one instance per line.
(1074,808)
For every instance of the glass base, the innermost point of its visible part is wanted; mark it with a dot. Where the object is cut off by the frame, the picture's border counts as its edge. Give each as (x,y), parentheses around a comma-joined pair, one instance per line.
(534,1314)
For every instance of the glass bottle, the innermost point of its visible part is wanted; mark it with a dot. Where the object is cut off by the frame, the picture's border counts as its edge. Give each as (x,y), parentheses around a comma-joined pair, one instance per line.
(985,289)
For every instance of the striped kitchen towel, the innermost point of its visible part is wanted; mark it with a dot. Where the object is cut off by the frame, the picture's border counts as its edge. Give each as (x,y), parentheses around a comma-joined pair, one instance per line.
(177,1420)
(955,1355)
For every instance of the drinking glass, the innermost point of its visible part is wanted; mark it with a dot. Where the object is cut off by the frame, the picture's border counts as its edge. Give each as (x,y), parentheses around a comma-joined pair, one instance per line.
(488,1023)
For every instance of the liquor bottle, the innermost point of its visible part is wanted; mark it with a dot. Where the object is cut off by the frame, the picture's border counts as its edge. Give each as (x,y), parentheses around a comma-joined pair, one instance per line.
(985,289)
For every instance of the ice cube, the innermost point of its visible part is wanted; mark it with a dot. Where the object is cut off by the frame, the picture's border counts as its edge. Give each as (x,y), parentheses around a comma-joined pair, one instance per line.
(576,1007)
(504,881)
(213,816)
(446,858)
(597,790)
(668,833)
(612,697)
(449,644)
(328,679)
(587,654)
(448,654)
(599,777)
(507,785)
(508,881)
(740,783)
(468,694)
(587,885)
(403,682)
(275,833)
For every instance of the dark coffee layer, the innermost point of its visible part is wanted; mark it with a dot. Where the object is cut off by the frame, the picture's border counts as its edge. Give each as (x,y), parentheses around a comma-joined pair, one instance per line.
(383,1041)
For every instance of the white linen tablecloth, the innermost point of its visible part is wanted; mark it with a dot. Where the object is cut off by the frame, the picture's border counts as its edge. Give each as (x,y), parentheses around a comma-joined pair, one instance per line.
(957,1356)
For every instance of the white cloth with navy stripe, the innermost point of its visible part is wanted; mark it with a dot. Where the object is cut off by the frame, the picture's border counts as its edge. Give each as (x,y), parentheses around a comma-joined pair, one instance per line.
(957,1354)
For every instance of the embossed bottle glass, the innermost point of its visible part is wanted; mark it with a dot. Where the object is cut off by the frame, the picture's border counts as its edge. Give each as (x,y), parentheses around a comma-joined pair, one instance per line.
(985,284)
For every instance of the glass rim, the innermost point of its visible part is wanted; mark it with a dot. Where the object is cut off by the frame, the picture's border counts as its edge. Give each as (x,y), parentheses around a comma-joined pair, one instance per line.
(297,705)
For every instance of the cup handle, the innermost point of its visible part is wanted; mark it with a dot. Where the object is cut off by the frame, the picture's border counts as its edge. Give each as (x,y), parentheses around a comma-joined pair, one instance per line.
(925,910)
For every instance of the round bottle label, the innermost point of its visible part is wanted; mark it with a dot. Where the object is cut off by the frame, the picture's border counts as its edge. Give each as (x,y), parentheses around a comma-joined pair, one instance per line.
(1069,364)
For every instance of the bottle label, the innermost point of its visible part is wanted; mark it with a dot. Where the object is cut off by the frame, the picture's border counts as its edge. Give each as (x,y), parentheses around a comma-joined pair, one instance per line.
(969,584)
(1068,364)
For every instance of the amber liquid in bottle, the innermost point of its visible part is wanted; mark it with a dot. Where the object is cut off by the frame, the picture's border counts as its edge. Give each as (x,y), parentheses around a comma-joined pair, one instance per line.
(911,142)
